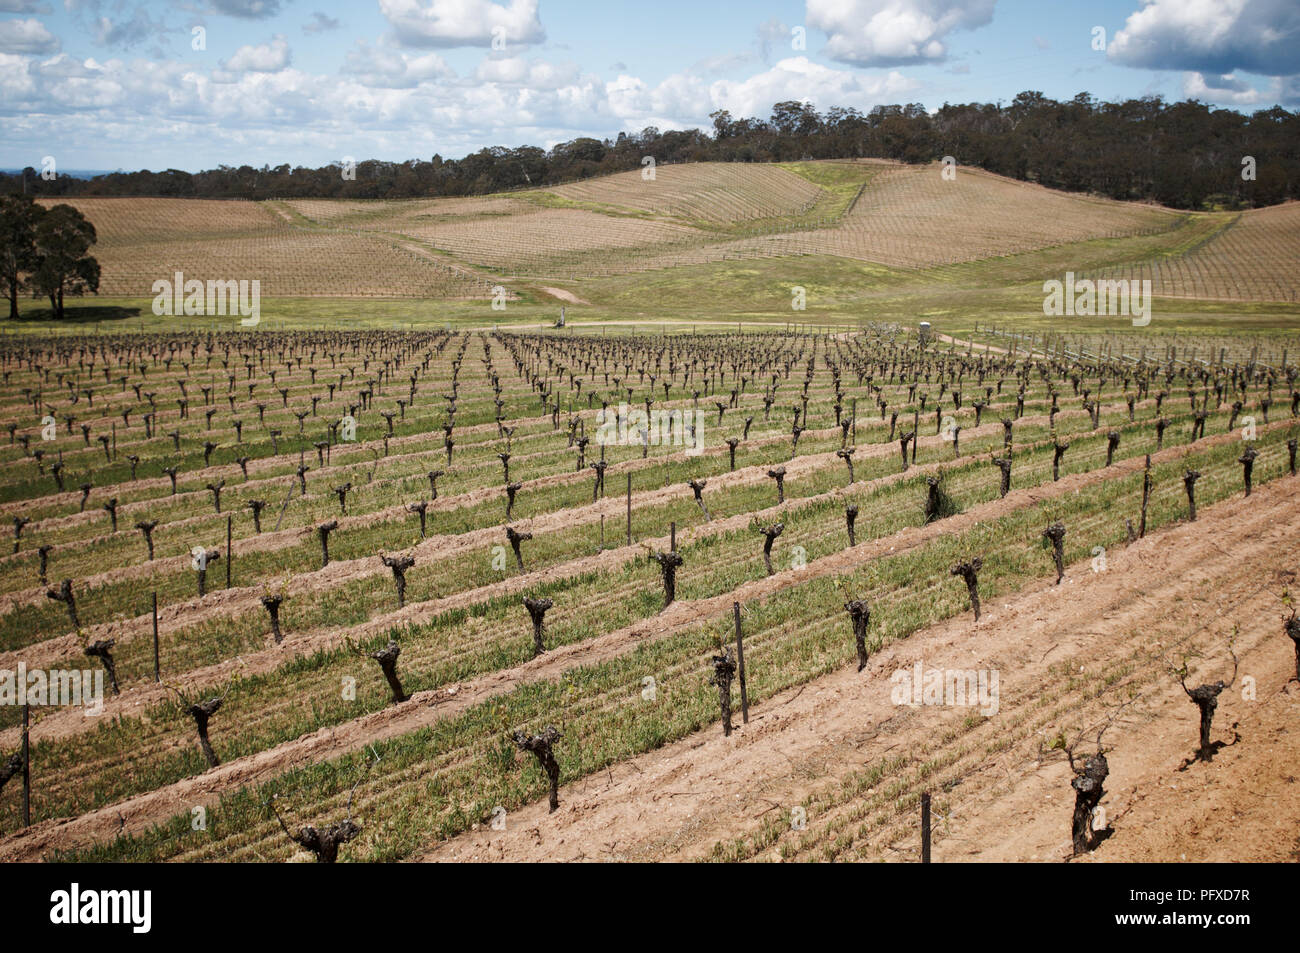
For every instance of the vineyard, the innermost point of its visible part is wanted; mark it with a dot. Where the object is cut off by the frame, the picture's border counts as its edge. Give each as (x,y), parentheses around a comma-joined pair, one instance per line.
(910,222)
(547,241)
(901,216)
(712,192)
(1253,256)
(509,594)
(912,217)
(141,241)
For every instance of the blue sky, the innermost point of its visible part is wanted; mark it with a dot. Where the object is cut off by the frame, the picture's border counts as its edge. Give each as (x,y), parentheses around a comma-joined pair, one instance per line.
(102,84)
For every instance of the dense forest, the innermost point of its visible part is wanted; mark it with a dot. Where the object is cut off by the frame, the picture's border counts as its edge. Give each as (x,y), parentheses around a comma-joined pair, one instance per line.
(1186,154)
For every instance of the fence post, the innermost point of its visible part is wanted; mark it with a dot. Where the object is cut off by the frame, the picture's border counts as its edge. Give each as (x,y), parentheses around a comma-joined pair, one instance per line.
(27,766)
(740,665)
(629,508)
(925,827)
(230,554)
(157,677)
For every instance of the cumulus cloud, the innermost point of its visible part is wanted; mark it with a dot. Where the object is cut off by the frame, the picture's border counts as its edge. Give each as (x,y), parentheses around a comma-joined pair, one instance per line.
(451,23)
(535,74)
(320,23)
(64,66)
(108,94)
(385,101)
(893,32)
(383,68)
(1212,36)
(17,84)
(684,100)
(270,57)
(1230,90)
(1219,89)
(27,37)
(798,78)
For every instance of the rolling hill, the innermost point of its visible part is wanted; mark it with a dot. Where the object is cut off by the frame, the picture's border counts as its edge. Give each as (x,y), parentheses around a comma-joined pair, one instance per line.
(905,218)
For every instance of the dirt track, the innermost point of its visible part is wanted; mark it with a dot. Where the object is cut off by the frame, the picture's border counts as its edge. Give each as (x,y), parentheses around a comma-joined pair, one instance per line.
(678,802)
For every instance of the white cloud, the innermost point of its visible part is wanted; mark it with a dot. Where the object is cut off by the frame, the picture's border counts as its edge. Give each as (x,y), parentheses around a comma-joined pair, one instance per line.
(64,66)
(26,36)
(1212,36)
(534,74)
(1218,89)
(797,78)
(683,100)
(385,102)
(451,23)
(893,32)
(384,68)
(17,84)
(1229,90)
(270,57)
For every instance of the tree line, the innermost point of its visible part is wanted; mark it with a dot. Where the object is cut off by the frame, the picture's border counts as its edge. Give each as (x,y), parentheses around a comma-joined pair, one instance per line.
(1183,154)
(44,250)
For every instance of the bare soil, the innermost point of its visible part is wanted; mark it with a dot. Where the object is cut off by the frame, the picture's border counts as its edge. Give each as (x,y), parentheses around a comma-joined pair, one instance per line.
(563,295)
